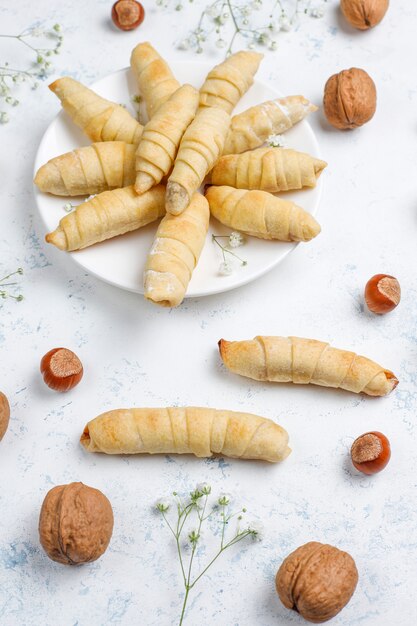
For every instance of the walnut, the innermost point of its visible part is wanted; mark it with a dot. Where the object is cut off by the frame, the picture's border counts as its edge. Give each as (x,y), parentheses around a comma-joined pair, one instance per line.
(75,524)
(4,414)
(364,14)
(317,581)
(349,98)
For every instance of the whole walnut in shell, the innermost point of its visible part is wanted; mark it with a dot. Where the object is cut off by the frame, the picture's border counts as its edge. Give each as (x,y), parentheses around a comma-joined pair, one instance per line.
(75,524)
(4,414)
(349,98)
(317,580)
(364,14)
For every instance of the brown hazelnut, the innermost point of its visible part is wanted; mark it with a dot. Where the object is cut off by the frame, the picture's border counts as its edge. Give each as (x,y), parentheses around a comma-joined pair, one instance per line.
(62,369)
(75,524)
(127,14)
(382,293)
(316,580)
(349,99)
(364,14)
(370,452)
(4,414)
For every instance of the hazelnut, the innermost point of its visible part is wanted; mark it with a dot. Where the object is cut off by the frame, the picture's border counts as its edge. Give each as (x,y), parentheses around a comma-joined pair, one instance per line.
(4,414)
(316,580)
(75,524)
(61,369)
(127,14)
(382,293)
(364,14)
(370,452)
(349,99)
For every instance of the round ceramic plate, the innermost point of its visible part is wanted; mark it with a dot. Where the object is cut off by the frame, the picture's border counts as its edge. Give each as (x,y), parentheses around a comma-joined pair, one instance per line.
(120,261)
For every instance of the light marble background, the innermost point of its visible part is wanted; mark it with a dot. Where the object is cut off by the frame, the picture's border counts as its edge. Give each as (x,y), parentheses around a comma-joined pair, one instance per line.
(137,354)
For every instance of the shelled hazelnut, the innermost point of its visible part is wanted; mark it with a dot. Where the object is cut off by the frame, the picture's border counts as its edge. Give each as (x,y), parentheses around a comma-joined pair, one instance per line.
(316,580)
(382,293)
(61,369)
(364,14)
(75,524)
(4,414)
(370,452)
(349,99)
(127,14)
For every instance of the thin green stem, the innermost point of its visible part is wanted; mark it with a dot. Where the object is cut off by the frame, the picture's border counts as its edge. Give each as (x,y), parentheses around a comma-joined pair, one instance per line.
(223,249)
(184,604)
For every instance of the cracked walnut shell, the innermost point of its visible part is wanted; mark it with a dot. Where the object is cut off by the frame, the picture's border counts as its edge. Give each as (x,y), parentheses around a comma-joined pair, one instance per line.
(364,14)
(316,580)
(75,524)
(349,98)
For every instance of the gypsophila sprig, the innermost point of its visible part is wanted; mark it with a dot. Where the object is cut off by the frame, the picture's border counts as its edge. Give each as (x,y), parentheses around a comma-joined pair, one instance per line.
(39,69)
(255,23)
(234,240)
(5,293)
(191,515)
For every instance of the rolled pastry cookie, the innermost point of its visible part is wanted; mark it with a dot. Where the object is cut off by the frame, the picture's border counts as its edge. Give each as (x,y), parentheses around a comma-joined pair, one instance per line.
(107,215)
(89,170)
(155,80)
(200,147)
(260,214)
(188,430)
(252,128)
(227,82)
(268,169)
(161,137)
(175,251)
(100,119)
(304,361)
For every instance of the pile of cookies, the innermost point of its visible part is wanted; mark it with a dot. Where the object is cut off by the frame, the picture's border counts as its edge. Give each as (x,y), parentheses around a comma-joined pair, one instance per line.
(137,174)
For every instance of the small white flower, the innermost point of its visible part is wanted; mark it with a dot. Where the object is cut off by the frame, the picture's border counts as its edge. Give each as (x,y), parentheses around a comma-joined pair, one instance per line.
(179,7)
(226,16)
(212,11)
(256,528)
(224,499)
(57,28)
(68,207)
(263,38)
(236,239)
(317,13)
(273,45)
(225,268)
(204,488)
(251,45)
(220,43)
(257,5)
(276,141)
(162,506)
(194,536)
(284,23)
(4,118)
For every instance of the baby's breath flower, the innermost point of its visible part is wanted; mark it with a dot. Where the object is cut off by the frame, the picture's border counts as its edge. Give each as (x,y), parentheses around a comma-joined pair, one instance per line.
(68,206)
(236,239)
(284,23)
(317,12)
(194,536)
(224,499)
(276,141)
(257,5)
(184,44)
(204,488)
(162,506)
(4,118)
(256,529)
(225,268)
(57,28)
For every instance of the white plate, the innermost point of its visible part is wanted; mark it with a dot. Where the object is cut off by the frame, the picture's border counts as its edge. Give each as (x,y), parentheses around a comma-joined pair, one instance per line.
(120,261)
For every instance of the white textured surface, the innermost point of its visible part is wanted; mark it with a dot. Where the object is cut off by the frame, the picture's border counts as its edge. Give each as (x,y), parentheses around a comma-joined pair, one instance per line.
(137,354)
